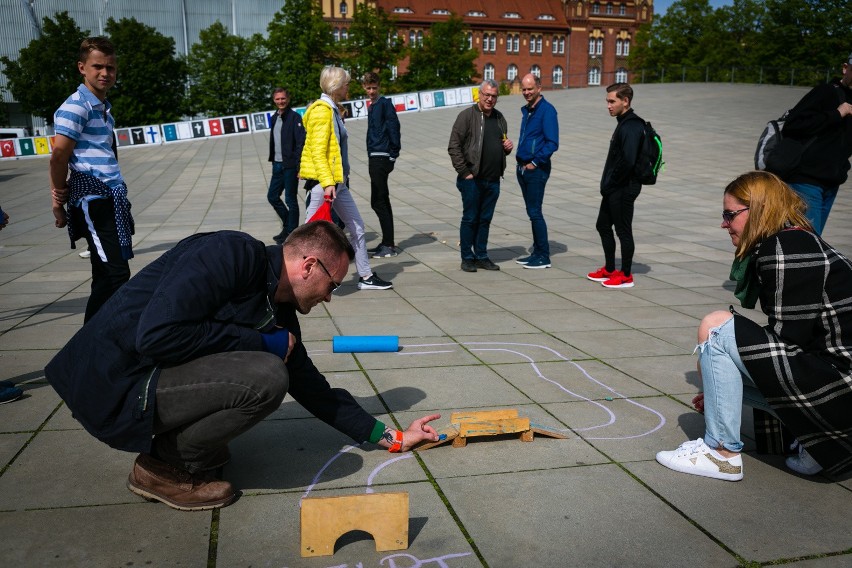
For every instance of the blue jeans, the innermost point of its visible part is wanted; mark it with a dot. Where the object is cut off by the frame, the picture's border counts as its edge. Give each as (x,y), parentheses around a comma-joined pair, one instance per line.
(532,184)
(284,180)
(819,201)
(723,375)
(479,199)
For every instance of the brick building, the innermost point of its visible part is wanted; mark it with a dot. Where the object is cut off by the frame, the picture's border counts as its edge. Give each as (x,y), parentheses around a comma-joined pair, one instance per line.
(568,43)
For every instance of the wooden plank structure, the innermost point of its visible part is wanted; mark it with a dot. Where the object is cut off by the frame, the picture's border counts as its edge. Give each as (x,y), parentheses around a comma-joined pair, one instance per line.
(477,423)
(325,519)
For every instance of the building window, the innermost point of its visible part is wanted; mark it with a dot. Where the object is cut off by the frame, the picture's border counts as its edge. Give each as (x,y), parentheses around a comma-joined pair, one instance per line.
(557,75)
(394,72)
(558,44)
(489,43)
(554,45)
(609,9)
(548,17)
(595,76)
(489,71)
(536,70)
(436,12)
(622,10)
(343,8)
(336,34)
(512,15)
(625,48)
(596,8)
(621,75)
(419,39)
(403,11)
(512,73)
(344,34)
(477,14)
(412,38)
(535,44)
(591,46)
(618,47)
(469,40)
(599,46)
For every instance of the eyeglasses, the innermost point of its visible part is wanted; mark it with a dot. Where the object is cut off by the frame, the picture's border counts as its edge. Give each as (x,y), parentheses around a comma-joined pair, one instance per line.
(728,216)
(488,95)
(334,285)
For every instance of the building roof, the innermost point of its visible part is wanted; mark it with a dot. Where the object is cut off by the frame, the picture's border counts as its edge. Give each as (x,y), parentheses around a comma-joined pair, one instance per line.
(544,14)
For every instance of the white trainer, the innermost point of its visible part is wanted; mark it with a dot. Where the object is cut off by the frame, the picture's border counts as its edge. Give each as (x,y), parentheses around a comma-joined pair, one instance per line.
(696,458)
(803,462)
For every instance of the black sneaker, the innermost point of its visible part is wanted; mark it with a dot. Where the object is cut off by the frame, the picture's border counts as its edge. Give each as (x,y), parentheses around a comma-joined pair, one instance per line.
(385,251)
(468,266)
(373,283)
(485,263)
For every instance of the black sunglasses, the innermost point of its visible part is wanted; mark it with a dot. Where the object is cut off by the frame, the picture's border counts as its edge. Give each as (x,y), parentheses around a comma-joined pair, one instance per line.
(728,216)
(334,285)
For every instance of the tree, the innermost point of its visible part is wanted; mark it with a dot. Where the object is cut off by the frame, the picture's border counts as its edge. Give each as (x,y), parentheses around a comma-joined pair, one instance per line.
(373,45)
(46,70)
(151,78)
(300,45)
(444,59)
(228,74)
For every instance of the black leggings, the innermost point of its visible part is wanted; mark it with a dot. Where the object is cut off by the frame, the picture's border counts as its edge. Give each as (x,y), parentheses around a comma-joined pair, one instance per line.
(617,210)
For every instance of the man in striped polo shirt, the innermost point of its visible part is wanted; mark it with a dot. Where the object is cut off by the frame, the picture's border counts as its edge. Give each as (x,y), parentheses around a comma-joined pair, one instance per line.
(95,193)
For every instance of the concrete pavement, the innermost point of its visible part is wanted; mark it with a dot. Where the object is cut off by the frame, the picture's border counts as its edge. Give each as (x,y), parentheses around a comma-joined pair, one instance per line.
(612,368)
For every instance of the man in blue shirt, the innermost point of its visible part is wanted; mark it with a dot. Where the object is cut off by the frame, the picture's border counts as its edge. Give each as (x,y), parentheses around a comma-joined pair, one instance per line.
(538,141)
(95,192)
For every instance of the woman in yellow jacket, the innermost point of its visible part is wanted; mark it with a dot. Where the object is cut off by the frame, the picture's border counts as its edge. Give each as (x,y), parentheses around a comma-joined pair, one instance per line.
(325,164)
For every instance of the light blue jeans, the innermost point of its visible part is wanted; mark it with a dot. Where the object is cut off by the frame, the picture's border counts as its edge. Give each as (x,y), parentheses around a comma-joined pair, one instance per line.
(344,205)
(819,201)
(723,375)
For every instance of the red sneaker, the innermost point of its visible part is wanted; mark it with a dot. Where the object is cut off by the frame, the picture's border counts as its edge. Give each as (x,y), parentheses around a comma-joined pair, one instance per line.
(600,274)
(619,280)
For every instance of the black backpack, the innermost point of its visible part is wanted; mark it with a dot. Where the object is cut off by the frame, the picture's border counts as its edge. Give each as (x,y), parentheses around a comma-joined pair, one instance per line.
(650,162)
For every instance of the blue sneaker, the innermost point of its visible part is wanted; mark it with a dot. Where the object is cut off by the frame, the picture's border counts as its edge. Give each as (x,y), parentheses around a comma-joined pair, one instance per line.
(524,259)
(9,394)
(538,262)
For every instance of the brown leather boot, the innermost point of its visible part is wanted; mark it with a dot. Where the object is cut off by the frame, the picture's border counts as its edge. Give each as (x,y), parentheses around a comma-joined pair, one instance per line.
(158,481)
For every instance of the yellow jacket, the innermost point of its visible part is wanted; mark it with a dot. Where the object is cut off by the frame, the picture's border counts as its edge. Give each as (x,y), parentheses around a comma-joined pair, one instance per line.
(321,157)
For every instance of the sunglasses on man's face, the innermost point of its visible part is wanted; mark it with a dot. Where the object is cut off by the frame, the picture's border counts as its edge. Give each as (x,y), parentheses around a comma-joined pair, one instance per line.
(728,216)
(334,285)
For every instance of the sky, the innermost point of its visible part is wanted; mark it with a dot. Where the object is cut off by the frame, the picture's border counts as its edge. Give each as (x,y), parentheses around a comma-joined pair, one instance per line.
(660,6)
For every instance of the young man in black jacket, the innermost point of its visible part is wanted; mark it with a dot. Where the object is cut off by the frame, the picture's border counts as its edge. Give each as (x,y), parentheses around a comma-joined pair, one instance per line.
(286,140)
(823,121)
(383,146)
(619,188)
(200,346)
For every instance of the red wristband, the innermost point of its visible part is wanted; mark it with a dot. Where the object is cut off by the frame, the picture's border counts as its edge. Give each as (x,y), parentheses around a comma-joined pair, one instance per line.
(397,442)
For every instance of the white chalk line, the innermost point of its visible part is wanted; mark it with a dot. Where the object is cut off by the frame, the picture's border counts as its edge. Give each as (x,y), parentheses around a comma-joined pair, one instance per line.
(608,411)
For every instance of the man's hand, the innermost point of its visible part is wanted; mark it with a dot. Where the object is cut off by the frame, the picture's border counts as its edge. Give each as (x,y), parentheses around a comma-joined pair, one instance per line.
(507,145)
(60,220)
(698,402)
(845,109)
(419,431)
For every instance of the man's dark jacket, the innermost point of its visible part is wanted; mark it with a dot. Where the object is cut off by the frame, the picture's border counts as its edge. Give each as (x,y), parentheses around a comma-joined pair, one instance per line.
(292,138)
(383,136)
(624,149)
(211,293)
(825,162)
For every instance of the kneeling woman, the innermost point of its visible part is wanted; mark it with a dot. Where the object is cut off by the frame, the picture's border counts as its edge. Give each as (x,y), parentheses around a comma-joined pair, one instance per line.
(801,362)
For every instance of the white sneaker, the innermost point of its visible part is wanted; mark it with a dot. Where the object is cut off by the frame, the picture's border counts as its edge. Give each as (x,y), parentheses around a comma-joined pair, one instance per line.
(85,254)
(697,458)
(803,463)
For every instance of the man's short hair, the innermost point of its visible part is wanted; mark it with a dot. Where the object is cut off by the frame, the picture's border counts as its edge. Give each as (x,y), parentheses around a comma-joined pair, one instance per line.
(370,78)
(277,90)
(318,237)
(97,43)
(622,90)
(535,77)
(491,83)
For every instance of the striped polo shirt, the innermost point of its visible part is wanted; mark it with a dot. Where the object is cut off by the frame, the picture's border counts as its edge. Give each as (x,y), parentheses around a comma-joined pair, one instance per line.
(86,120)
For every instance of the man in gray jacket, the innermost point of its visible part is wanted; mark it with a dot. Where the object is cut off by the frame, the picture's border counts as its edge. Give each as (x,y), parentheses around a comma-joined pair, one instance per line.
(478,148)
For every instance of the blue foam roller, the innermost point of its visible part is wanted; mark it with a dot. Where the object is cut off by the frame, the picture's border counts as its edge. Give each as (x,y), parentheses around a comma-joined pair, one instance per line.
(365,343)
